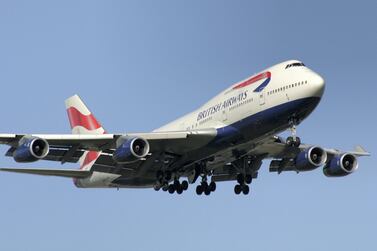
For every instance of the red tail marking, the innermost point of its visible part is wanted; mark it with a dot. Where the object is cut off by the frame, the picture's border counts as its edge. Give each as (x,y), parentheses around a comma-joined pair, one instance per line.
(90,156)
(76,118)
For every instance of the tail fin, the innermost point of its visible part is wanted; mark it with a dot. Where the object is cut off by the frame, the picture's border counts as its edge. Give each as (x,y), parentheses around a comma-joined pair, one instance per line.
(83,122)
(81,119)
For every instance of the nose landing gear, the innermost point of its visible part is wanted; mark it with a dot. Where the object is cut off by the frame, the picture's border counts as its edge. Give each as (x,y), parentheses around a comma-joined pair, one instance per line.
(293,140)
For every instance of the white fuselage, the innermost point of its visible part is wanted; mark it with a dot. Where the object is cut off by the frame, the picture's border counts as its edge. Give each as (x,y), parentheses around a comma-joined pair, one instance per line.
(247,108)
(293,83)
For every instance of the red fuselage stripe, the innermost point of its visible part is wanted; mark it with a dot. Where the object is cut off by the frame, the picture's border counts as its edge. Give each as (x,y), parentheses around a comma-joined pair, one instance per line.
(253,80)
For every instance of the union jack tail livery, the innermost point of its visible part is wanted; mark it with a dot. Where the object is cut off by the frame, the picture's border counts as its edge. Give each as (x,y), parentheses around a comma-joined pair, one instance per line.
(81,119)
(83,122)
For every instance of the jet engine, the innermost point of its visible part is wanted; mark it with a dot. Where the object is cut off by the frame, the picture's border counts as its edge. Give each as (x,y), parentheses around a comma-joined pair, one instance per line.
(131,149)
(341,165)
(310,159)
(31,149)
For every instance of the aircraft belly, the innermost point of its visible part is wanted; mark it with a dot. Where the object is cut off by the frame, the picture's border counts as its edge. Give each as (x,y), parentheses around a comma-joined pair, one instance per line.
(253,128)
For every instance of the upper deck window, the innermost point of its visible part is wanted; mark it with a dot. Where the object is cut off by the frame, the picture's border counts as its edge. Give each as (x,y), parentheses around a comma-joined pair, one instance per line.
(294,65)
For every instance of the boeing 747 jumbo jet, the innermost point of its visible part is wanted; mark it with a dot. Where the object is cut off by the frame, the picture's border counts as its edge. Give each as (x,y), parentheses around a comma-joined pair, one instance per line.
(226,139)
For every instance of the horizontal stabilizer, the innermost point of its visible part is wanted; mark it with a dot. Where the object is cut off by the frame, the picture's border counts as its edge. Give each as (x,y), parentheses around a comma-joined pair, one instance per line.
(360,151)
(68,173)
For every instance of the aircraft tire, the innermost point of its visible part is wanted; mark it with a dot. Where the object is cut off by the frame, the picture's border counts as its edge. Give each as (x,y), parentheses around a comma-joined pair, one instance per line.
(179,190)
(289,141)
(176,184)
(212,186)
(297,142)
(171,189)
(207,191)
(248,178)
(245,189)
(237,189)
(240,178)
(184,185)
(199,190)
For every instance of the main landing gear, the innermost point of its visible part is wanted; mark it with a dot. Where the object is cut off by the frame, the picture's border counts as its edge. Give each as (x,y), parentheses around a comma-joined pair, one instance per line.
(293,140)
(178,187)
(243,182)
(205,188)
(163,179)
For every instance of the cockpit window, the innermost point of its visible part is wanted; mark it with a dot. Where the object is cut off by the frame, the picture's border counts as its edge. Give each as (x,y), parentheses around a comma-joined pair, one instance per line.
(294,65)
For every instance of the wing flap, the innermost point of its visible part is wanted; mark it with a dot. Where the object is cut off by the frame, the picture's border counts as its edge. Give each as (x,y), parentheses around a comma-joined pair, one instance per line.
(67,173)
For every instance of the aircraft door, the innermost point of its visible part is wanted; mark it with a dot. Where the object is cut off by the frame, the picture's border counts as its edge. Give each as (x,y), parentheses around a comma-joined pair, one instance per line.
(224,115)
(262,100)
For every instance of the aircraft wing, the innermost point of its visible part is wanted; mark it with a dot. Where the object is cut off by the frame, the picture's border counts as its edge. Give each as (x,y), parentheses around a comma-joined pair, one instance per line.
(266,148)
(275,147)
(70,147)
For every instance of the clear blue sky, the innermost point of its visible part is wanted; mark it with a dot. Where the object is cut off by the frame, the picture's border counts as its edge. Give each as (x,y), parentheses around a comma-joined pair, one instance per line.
(140,64)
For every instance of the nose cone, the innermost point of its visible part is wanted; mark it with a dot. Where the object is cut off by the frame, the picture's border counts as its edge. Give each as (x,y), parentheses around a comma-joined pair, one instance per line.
(318,85)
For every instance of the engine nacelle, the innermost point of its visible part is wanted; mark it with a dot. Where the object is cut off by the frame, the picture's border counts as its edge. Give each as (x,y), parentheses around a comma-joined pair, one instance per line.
(31,149)
(131,149)
(341,165)
(310,159)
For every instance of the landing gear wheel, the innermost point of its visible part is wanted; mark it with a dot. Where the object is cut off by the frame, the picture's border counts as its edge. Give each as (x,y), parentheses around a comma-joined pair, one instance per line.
(171,189)
(156,187)
(179,190)
(289,141)
(199,190)
(176,184)
(245,189)
(248,178)
(207,191)
(293,142)
(240,178)
(237,189)
(297,142)
(212,186)
(165,188)
(184,185)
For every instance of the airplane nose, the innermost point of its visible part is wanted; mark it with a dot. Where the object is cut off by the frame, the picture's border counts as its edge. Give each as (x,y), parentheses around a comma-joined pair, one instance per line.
(318,84)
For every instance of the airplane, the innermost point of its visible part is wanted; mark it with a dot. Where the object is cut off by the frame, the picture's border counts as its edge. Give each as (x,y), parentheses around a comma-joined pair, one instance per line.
(226,139)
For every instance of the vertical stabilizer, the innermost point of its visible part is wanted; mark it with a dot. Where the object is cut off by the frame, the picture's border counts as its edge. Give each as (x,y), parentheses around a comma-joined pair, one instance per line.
(83,122)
